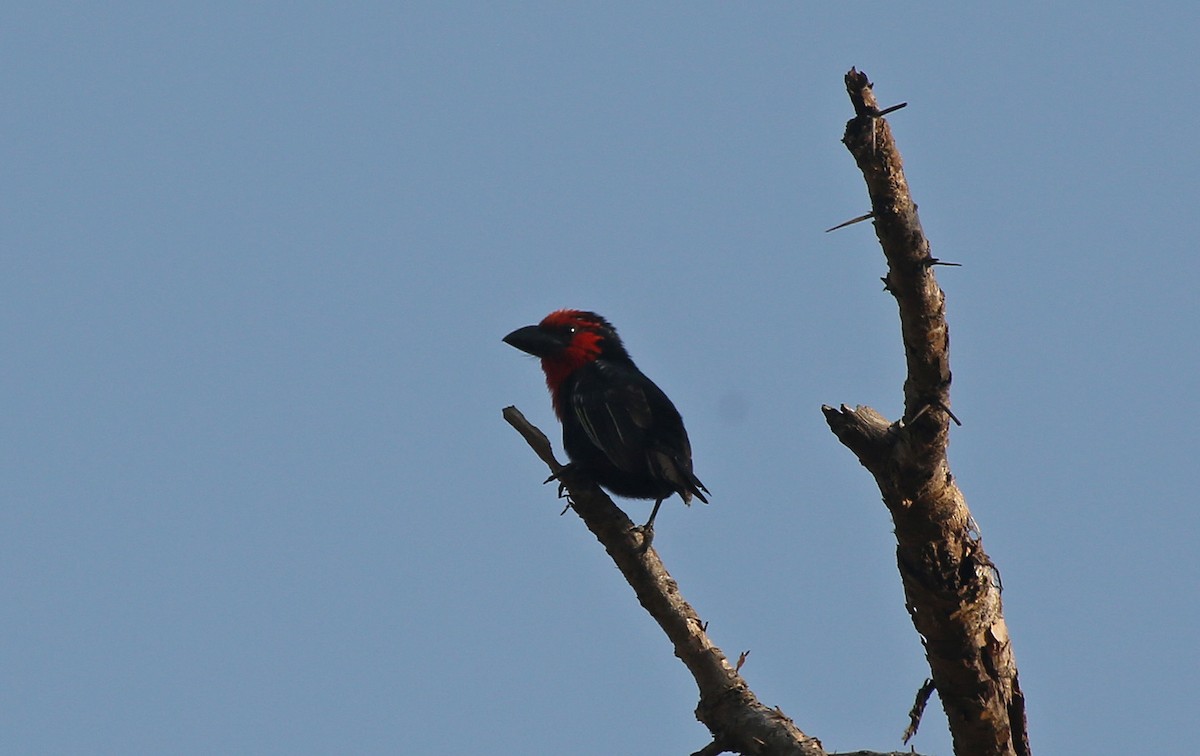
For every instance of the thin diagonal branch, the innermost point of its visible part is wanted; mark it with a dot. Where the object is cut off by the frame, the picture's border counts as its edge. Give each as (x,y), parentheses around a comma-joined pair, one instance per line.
(950,585)
(738,721)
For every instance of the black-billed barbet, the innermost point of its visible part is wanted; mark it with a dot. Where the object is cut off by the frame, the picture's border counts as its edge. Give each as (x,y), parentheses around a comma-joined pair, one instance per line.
(619,428)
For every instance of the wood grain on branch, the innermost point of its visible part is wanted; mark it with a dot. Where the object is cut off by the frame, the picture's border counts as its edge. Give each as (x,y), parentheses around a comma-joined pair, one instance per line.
(951,587)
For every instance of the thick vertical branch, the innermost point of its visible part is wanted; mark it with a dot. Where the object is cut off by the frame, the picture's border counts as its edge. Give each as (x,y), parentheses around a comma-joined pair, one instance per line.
(950,585)
(738,721)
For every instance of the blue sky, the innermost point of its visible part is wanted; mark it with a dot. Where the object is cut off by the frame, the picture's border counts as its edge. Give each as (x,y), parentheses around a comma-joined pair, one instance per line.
(258,259)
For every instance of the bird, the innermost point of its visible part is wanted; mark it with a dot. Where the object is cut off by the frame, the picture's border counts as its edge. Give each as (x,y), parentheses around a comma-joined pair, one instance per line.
(619,427)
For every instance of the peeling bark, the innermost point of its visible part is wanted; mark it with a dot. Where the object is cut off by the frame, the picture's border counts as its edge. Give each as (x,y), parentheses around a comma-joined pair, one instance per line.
(951,586)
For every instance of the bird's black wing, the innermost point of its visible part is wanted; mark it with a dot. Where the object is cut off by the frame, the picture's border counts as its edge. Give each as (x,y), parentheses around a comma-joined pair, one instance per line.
(612,407)
(627,416)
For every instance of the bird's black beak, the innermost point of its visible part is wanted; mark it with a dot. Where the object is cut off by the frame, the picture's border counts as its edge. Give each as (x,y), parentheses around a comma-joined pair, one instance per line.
(535,341)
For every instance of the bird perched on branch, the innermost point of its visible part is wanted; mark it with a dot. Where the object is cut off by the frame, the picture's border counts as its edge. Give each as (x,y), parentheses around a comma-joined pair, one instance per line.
(618,426)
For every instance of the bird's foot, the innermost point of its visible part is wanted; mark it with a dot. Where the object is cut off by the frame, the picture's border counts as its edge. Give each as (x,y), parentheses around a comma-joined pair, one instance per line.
(562,487)
(647,533)
(647,530)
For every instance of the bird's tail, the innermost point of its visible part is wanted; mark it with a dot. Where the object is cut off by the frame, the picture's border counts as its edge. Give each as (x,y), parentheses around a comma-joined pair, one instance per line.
(693,487)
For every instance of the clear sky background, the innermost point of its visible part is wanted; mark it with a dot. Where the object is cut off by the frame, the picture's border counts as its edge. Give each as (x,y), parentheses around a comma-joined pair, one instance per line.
(257,495)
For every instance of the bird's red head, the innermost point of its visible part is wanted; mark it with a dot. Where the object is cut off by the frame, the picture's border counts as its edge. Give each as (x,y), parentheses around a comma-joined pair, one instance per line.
(566,340)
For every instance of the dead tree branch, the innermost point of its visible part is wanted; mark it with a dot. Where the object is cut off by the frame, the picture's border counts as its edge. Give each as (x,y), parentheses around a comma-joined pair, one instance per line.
(951,587)
(738,721)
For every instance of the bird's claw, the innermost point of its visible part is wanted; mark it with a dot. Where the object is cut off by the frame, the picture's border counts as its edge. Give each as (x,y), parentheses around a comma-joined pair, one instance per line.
(647,533)
(562,487)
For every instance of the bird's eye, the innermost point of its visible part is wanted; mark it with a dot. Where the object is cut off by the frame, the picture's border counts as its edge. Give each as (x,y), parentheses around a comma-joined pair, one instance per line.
(571,329)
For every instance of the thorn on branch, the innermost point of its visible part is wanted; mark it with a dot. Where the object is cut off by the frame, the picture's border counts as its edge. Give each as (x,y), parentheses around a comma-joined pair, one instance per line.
(926,407)
(916,417)
(931,261)
(852,221)
(885,111)
(946,409)
(918,708)
(741,660)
